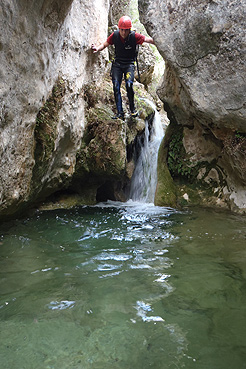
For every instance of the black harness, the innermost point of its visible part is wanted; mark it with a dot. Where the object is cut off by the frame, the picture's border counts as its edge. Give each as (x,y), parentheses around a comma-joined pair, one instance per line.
(125,53)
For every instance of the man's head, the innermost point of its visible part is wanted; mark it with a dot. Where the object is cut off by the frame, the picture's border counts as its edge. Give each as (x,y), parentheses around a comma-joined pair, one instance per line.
(124,25)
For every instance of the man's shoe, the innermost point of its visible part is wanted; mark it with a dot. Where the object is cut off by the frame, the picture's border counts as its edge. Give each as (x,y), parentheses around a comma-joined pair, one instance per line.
(119,116)
(134,113)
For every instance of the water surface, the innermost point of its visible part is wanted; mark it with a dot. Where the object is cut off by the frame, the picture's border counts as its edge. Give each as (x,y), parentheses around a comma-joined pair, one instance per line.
(123,286)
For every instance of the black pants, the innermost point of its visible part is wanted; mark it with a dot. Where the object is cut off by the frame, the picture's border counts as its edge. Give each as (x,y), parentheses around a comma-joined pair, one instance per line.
(118,70)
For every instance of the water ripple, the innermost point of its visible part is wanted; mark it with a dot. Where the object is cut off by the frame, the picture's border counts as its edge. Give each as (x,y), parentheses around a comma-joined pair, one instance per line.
(110,256)
(142,311)
(61,305)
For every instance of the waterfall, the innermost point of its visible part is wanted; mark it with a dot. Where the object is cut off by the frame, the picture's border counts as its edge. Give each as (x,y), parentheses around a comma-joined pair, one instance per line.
(144,179)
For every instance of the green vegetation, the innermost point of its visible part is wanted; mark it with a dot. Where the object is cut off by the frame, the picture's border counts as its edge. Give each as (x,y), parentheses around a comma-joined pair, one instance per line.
(240,136)
(178,164)
(193,182)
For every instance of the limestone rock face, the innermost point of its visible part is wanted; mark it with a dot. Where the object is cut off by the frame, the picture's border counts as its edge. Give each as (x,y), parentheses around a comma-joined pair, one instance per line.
(43,44)
(203,44)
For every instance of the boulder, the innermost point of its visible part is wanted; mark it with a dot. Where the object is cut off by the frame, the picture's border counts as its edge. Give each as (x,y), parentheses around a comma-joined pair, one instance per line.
(204,93)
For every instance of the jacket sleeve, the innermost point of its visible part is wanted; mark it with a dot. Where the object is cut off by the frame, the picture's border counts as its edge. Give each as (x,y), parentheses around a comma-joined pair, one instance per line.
(139,38)
(110,39)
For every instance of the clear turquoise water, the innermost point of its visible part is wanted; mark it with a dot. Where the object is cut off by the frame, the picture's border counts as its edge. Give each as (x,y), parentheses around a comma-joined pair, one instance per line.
(124,286)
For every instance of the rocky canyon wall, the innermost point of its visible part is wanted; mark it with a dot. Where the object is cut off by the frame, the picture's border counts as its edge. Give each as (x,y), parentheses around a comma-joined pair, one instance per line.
(52,108)
(204,93)
(45,63)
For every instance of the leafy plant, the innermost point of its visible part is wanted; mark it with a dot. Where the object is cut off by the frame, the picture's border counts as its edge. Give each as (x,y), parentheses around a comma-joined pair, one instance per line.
(178,164)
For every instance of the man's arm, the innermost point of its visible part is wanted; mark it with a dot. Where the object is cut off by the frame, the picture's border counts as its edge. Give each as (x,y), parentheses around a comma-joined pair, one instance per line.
(149,40)
(100,47)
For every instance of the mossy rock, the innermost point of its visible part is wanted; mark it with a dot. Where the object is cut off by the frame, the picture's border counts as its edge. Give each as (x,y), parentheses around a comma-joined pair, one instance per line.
(193,181)
(103,149)
(166,192)
(45,132)
(68,200)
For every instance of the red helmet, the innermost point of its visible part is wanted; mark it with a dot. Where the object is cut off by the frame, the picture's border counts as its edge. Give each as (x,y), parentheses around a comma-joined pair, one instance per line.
(125,22)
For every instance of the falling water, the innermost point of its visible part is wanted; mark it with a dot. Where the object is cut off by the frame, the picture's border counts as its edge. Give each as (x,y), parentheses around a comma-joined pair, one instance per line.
(144,179)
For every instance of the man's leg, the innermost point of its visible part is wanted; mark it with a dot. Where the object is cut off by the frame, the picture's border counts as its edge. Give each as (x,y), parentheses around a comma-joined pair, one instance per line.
(129,78)
(117,74)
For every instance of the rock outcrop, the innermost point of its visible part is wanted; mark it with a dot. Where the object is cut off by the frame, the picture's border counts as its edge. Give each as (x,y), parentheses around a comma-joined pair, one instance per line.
(105,158)
(49,128)
(45,62)
(56,131)
(204,93)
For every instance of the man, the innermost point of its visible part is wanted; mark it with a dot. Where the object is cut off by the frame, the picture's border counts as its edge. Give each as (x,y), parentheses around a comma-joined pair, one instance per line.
(125,43)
